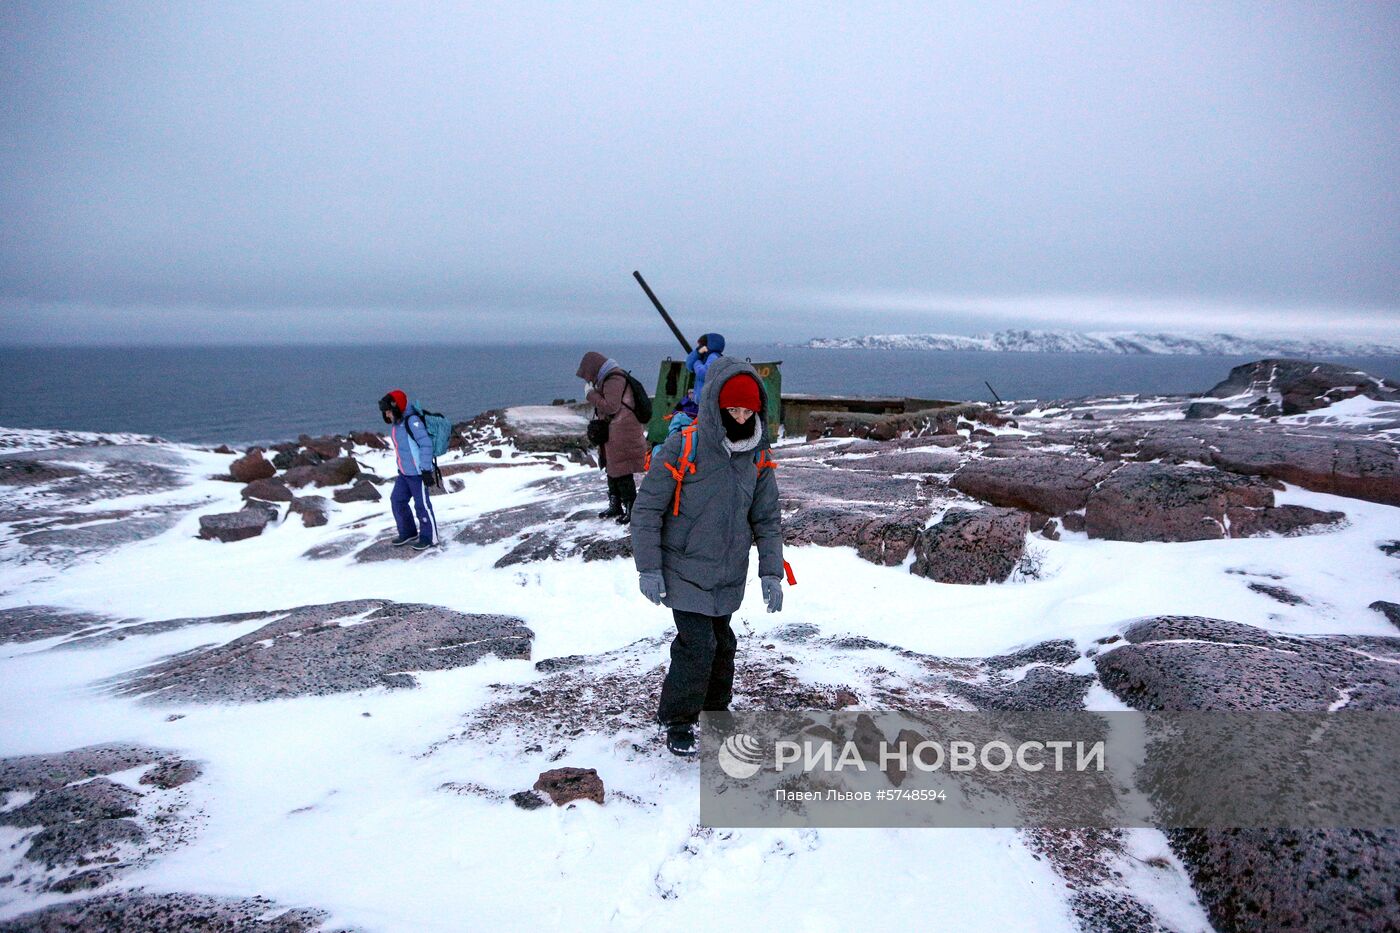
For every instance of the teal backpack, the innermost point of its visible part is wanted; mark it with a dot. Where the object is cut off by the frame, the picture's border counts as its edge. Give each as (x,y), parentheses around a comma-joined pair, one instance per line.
(439,429)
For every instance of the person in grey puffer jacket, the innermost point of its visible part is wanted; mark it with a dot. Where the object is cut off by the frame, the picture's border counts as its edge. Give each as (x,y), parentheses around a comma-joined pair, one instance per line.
(693,552)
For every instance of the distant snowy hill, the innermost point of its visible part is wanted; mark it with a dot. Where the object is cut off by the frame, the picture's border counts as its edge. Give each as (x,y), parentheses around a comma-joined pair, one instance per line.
(1063,341)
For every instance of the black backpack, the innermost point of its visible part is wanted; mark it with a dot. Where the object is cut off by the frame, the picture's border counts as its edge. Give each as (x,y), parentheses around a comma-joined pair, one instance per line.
(641,401)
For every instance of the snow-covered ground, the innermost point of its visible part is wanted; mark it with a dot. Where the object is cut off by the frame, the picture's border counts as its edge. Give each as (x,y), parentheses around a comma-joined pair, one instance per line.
(351,803)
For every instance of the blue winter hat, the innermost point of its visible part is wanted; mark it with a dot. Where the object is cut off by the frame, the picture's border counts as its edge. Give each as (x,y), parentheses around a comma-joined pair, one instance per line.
(715,342)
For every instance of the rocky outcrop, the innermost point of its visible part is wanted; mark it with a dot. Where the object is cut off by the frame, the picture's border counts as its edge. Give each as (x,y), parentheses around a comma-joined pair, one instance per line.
(136,912)
(1045,482)
(29,472)
(805,484)
(84,842)
(1391,611)
(1317,457)
(1292,387)
(561,544)
(971,546)
(36,773)
(98,799)
(945,420)
(35,623)
(920,460)
(235,526)
(1332,879)
(1192,663)
(82,827)
(83,475)
(881,538)
(1198,411)
(1166,502)
(560,497)
(251,466)
(316,650)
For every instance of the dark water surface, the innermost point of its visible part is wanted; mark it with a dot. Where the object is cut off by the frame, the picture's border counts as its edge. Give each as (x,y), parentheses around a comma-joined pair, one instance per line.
(244,395)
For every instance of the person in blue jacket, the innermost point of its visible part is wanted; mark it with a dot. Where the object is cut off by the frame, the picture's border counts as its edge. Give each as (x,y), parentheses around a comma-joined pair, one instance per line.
(413,455)
(684,416)
(707,348)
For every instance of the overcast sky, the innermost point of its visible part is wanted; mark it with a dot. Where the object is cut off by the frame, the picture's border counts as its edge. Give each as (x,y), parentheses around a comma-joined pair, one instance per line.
(281,171)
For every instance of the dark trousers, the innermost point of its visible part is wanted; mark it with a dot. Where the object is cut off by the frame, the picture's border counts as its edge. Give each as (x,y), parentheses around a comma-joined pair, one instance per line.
(702,668)
(411,488)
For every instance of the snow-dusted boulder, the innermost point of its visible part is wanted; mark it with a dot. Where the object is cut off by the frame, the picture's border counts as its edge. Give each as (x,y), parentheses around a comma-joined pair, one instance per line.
(315,511)
(235,526)
(565,785)
(972,546)
(546,427)
(251,466)
(268,490)
(334,472)
(362,491)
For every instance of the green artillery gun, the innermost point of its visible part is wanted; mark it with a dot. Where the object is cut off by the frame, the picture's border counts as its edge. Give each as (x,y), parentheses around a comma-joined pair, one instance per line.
(674,380)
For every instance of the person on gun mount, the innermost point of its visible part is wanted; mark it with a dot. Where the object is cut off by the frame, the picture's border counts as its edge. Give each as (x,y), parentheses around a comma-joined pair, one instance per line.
(413,455)
(710,495)
(708,348)
(624,451)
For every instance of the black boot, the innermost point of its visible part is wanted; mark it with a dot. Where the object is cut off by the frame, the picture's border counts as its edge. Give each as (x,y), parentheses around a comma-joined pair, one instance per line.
(627,494)
(614,508)
(680,740)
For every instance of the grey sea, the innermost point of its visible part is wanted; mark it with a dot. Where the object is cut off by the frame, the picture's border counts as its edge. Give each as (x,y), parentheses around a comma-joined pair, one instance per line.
(246,395)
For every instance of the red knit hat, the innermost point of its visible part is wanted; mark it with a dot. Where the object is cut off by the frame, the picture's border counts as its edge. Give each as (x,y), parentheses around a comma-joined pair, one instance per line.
(741,391)
(400,399)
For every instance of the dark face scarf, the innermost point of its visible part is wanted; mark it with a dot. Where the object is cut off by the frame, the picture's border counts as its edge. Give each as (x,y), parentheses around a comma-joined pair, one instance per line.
(735,431)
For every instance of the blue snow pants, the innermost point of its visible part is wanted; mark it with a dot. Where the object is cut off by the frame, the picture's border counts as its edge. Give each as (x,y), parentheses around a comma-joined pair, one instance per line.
(411,487)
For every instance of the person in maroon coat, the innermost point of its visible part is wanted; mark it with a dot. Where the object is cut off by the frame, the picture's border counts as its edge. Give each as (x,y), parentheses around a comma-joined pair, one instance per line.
(624,453)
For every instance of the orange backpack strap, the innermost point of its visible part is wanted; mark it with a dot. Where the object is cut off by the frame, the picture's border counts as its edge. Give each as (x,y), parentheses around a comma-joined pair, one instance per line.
(765,462)
(682,466)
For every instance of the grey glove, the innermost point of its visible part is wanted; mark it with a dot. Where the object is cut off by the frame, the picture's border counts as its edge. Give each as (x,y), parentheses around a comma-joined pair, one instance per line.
(653,586)
(772,593)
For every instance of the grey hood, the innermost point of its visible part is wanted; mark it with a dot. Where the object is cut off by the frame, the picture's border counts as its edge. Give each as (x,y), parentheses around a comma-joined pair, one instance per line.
(709,436)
